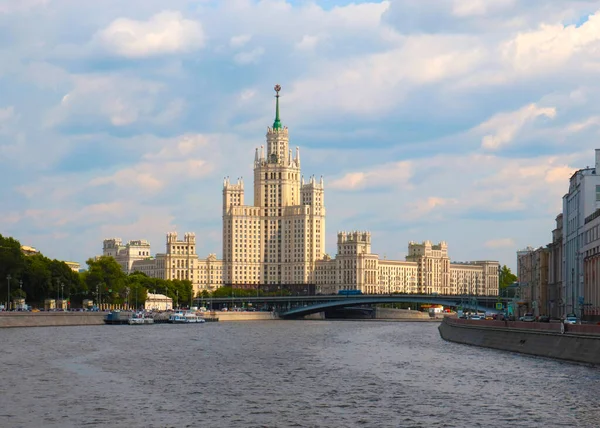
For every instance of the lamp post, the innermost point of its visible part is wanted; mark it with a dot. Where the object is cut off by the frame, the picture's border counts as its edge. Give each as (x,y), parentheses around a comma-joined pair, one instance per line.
(62,295)
(177,301)
(8,277)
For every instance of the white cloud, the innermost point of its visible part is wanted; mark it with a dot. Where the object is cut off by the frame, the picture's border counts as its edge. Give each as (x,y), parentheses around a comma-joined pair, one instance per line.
(500,243)
(389,175)
(166,32)
(249,57)
(239,41)
(117,100)
(307,43)
(502,128)
(552,45)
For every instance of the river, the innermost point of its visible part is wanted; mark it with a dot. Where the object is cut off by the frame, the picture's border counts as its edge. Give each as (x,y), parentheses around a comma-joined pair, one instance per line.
(281,374)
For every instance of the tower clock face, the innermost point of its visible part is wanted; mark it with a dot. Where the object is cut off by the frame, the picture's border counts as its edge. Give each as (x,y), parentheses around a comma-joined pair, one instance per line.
(273,158)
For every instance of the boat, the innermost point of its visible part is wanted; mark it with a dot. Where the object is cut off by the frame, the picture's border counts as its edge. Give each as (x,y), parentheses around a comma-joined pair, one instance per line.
(185,318)
(139,319)
(114,318)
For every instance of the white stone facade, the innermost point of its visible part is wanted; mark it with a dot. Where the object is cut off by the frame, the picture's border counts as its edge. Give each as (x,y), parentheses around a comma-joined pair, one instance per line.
(180,261)
(279,238)
(427,269)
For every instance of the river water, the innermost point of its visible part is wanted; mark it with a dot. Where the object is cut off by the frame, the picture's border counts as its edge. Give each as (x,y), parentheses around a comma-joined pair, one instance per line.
(281,374)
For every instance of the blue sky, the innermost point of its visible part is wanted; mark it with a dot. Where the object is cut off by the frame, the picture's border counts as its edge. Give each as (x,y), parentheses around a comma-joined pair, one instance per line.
(459,120)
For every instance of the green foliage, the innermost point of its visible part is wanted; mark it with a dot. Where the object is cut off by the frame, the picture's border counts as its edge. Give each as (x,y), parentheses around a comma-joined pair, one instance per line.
(34,277)
(506,277)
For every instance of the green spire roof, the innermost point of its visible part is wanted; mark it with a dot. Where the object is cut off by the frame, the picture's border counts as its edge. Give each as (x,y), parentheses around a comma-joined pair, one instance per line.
(277,123)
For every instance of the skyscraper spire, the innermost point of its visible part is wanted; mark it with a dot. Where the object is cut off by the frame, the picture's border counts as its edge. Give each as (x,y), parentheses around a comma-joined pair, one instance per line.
(277,123)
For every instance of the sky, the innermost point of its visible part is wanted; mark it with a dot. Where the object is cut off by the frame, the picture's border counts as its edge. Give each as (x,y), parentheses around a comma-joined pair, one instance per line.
(455,120)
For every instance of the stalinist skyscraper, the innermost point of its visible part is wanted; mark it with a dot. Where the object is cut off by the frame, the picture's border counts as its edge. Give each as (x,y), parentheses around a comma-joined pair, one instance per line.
(276,240)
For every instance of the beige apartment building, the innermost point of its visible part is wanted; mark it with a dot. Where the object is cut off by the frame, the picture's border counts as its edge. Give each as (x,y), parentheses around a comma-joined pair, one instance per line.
(279,238)
(179,261)
(278,241)
(427,269)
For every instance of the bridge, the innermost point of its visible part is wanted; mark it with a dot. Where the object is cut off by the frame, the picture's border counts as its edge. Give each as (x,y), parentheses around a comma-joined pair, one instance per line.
(290,307)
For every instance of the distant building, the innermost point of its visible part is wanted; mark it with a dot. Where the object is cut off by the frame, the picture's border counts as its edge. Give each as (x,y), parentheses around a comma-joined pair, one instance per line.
(427,269)
(74,266)
(29,251)
(582,200)
(555,268)
(180,261)
(158,302)
(590,303)
(277,239)
(532,271)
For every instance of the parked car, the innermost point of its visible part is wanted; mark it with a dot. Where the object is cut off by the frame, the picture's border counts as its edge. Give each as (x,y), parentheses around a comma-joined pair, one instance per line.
(543,318)
(476,317)
(529,317)
(570,320)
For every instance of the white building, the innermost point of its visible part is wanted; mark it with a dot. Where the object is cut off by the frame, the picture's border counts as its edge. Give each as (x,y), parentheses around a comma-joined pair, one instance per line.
(582,201)
(278,238)
(427,269)
(158,302)
(179,261)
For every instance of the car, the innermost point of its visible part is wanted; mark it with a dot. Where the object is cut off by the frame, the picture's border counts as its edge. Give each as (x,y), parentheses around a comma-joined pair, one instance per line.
(529,317)
(543,318)
(571,320)
(476,317)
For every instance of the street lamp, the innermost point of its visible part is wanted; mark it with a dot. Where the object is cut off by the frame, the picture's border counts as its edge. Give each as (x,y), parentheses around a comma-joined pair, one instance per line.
(62,295)
(8,277)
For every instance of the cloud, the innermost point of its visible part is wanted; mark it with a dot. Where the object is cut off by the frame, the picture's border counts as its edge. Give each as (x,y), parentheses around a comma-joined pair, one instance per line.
(239,41)
(552,45)
(501,129)
(500,243)
(394,175)
(113,100)
(167,32)
(249,57)
(307,43)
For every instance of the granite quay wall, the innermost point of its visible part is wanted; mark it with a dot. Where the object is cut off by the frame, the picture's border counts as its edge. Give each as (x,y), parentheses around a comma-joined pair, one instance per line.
(242,316)
(49,319)
(405,314)
(579,343)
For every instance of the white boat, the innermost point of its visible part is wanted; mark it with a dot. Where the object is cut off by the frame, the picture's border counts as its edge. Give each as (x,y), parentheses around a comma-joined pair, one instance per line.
(138,319)
(185,318)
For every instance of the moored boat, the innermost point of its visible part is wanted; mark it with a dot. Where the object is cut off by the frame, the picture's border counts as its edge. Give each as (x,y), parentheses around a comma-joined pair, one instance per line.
(185,318)
(140,319)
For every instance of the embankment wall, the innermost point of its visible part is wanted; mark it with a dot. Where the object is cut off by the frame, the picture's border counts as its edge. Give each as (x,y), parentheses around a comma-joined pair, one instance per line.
(579,343)
(244,316)
(404,314)
(50,319)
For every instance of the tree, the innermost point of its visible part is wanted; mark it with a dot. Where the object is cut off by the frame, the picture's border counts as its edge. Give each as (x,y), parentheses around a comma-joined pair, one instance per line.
(506,277)
(105,274)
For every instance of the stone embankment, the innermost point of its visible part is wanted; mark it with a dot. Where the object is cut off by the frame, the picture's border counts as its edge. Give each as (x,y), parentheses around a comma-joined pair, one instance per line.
(50,319)
(55,319)
(401,314)
(578,343)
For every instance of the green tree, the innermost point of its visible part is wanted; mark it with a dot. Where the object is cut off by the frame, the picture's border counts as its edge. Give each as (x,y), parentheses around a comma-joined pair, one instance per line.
(105,275)
(506,277)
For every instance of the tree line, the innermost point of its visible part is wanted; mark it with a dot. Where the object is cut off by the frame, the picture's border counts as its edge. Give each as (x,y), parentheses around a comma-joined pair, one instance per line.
(36,278)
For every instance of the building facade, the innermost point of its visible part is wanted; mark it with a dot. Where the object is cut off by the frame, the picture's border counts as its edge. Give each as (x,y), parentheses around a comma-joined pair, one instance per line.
(533,273)
(555,267)
(426,270)
(589,306)
(279,238)
(179,262)
(582,200)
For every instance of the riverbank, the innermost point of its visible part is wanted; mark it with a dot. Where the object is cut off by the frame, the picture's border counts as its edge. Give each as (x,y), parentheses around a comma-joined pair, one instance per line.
(578,343)
(65,319)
